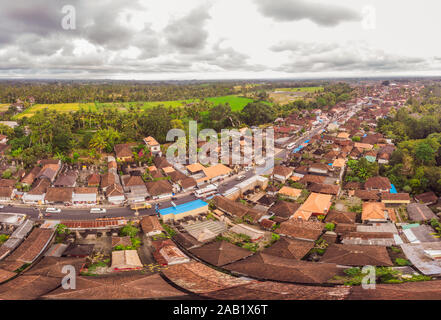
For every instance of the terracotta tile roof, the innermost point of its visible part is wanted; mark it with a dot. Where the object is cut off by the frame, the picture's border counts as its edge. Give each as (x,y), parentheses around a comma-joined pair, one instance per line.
(92,224)
(7,182)
(29,250)
(290,248)
(324,188)
(195,167)
(425,290)
(427,198)
(236,209)
(150,224)
(216,171)
(53,266)
(340,217)
(315,204)
(177,176)
(344,228)
(267,267)
(284,209)
(28,287)
(86,190)
(122,286)
(93,180)
(156,188)
(30,177)
(107,180)
(150,141)
(357,255)
(161,162)
(55,194)
(290,192)
(6,192)
(188,183)
(131,181)
(353,186)
(114,190)
(198,278)
(395,197)
(123,150)
(269,290)
(310,178)
(373,211)
(378,183)
(121,241)
(282,171)
(220,253)
(301,229)
(366,195)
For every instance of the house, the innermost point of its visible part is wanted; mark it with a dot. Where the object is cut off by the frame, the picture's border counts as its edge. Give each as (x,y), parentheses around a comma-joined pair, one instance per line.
(31,176)
(340,217)
(420,233)
(85,196)
(290,193)
(374,212)
(420,212)
(121,241)
(236,209)
(363,146)
(187,184)
(123,152)
(427,198)
(424,256)
(153,145)
(330,189)
(67,179)
(395,198)
(195,169)
(167,254)
(6,194)
(301,229)
(161,162)
(316,204)
(283,210)
(135,188)
(160,189)
(36,195)
(367,195)
(150,226)
(49,169)
(216,172)
(125,260)
(93,180)
(55,195)
(220,253)
(268,267)
(115,194)
(357,255)
(108,179)
(282,173)
(319,168)
(378,183)
(290,248)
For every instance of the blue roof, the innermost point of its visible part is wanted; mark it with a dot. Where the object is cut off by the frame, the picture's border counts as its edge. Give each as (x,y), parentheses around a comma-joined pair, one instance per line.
(189,206)
(393,189)
(307,141)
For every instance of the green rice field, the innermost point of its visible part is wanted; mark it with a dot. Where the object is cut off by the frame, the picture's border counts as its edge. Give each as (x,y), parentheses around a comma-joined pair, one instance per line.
(237,103)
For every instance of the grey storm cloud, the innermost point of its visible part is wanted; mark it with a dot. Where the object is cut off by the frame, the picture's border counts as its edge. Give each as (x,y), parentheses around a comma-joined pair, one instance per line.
(188,33)
(322,13)
(346,59)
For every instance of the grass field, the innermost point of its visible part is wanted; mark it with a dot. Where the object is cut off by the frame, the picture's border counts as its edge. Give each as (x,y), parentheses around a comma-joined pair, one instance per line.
(237,103)
(305,89)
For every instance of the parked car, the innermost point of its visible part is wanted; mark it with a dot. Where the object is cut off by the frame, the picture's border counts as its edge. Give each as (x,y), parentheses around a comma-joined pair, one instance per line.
(53,210)
(98,210)
(240,177)
(1,206)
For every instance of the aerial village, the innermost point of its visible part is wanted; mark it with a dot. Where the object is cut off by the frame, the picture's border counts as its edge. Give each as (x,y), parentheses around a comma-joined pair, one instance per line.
(297,230)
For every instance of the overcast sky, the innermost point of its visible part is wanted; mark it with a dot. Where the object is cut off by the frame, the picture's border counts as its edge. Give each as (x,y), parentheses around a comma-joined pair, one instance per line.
(214,39)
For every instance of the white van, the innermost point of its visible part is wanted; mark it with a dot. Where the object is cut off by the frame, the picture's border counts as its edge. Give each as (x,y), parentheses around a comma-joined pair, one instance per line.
(98,210)
(291,146)
(53,210)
